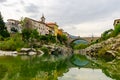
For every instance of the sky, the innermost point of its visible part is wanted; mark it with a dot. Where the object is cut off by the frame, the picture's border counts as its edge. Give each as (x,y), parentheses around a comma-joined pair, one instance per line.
(77,17)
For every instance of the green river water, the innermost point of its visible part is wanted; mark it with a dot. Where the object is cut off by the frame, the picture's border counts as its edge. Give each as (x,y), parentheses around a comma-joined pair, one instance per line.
(57,68)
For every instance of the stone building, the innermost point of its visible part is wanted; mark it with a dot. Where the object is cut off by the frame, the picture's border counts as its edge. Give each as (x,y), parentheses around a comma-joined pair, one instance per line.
(53,27)
(13,26)
(40,26)
(117,21)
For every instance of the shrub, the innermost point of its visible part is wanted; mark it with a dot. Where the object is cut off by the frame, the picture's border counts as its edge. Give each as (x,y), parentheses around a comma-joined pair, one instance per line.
(62,38)
(117,30)
(80,46)
(106,34)
(13,43)
(45,50)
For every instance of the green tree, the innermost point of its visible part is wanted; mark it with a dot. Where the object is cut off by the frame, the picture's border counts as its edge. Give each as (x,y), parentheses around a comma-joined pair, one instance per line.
(106,34)
(62,38)
(26,34)
(34,34)
(3,29)
(116,30)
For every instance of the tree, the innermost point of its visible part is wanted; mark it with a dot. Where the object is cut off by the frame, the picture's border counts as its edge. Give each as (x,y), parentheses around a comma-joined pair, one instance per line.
(107,34)
(62,38)
(3,29)
(117,29)
(26,34)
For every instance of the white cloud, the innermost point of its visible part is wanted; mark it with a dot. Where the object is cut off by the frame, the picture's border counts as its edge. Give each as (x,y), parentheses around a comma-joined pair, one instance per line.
(78,17)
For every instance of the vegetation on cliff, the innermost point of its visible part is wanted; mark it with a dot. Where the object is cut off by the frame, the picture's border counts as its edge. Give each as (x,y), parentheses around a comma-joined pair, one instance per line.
(108,34)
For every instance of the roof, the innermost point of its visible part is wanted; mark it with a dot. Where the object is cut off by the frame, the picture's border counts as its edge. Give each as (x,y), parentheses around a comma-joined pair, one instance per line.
(34,20)
(51,23)
(12,20)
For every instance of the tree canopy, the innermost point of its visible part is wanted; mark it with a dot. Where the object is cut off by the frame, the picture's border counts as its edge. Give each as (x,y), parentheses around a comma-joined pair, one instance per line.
(3,29)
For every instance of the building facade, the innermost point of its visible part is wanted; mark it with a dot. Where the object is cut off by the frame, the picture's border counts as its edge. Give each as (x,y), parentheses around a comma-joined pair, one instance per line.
(13,26)
(53,27)
(117,21)
(40,26)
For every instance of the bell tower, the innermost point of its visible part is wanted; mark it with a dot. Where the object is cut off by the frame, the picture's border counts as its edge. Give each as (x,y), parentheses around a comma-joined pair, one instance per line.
(43,18)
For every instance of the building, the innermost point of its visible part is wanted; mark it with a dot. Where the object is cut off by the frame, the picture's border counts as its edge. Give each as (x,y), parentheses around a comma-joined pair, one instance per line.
(60,31)
(40,26)
(53,27)
(117,21)
(13,26)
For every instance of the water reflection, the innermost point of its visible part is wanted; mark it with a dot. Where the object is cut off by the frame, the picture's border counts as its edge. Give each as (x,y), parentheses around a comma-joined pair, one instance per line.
(53,68)
(84,74)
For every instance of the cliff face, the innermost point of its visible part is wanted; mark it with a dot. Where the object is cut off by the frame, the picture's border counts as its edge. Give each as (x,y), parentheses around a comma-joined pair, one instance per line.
(106,49)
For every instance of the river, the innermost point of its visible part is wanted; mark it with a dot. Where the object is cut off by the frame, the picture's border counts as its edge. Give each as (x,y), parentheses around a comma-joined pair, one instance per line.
(53,68)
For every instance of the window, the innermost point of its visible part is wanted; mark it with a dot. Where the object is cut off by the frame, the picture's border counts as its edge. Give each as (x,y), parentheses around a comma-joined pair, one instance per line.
(118,22)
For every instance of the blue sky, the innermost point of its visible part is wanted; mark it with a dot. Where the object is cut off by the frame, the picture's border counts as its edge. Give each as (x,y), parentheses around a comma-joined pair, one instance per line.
(77,17)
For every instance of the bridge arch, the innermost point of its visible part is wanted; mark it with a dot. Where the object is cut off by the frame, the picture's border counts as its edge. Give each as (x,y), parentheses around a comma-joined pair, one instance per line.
(79,38)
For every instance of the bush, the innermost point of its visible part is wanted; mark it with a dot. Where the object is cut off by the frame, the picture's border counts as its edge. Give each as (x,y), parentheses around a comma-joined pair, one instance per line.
(26,34)
(62,38)
(117,30)
(13,43)
(80,46)
(106,34)
(47,38)
(45,50)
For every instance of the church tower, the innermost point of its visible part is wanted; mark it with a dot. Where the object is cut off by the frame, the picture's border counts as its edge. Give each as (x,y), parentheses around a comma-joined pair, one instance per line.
(43,18)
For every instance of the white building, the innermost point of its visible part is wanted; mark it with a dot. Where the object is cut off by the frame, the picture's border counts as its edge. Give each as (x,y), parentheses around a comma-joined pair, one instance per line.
(41,26)
(13,26)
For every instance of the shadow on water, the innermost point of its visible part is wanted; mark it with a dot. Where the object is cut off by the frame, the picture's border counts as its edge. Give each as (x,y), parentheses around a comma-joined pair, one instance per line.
(50,68)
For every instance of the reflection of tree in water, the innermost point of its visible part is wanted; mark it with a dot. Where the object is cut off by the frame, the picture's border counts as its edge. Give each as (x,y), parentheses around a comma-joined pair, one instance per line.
(111,69)
(32,69)
(40,68)
(43,70)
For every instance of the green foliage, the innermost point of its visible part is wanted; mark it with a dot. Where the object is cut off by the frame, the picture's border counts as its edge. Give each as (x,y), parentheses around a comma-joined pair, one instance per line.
(45,50)
(62,38)
(32,69)
(12,43)
(47,38)
(22,22)
(106,34)
(1,38)
(3,30)
(34,34)
(3,70)
(117,30)
(26,34)
(80,46)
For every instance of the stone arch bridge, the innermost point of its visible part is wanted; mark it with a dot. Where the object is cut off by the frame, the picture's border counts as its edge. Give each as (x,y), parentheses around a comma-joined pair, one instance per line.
(87,39)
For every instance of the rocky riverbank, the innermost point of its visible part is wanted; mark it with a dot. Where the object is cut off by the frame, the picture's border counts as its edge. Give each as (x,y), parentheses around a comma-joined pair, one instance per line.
(106,49)
(53,50)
